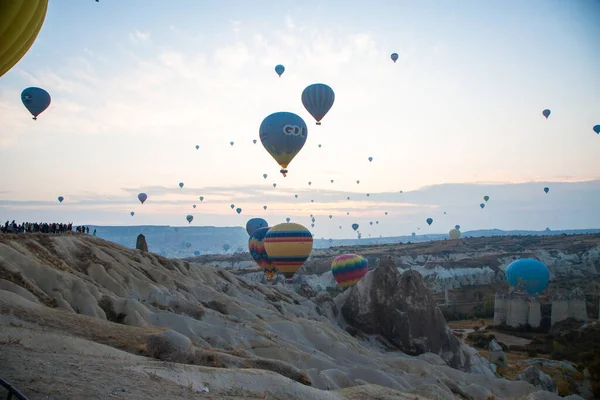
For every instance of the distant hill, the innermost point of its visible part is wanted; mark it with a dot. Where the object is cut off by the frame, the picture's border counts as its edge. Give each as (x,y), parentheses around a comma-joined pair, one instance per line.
(182,242)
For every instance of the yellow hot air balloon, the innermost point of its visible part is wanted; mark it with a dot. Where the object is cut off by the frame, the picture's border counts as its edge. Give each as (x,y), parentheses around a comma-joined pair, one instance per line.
(454,234)
(20,23)
(288,245)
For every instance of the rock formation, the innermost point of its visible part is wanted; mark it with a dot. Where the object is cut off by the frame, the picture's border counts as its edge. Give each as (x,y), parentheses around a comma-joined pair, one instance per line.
(141,243)
(400,308)
(537,377)
(68,299)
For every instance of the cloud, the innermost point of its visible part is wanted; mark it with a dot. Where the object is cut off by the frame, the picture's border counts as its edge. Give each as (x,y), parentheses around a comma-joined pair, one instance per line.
(136,36)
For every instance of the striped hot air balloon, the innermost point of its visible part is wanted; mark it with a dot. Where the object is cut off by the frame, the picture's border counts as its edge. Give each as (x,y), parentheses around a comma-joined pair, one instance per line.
(318,99)
(348,269)
(288,245)
(256,247)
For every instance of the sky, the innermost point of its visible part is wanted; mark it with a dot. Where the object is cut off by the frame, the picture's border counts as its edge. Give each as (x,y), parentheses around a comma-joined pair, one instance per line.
(137,85)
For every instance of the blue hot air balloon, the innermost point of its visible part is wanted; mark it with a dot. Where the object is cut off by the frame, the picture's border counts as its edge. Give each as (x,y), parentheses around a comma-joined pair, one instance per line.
(132,213)
(596,129)
(197,147)
(201,198)
(283,135)
(181,185)
(370,159)
(546,189)
(429,221)
(482,205)
(279,69)
(355,226)
(265,176)
(530,273)
(255,223)
(238,210)
(288,219)
(60,199)
(546,113)
(189,218)
(36,100)
(394,57)
(457,227)
(318,99)
(142,197)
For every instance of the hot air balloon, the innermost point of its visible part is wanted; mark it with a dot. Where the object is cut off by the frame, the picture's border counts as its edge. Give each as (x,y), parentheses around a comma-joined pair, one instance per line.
(201,198)
(429,221)
(264,207)
(256,247)
(546,189)
(319,146)
(279,69)
(132,213)
(482,205)
(226,247)
(60,199)
(232,206)
(457,227)
(394,57)
(274,185)
(238,210)
(309,183)
(296,196)
(312,225)
(532,274)
(254,141)
(332,181)
(288,245)
(348,269)
(312,201)
(287,220)
(596,129)
(283,135)
(231,143)
(357,182)
(254,224)
(196,252)
(371,223)
(386,213)
(355,226)
(368,194)
(331,216)
(21,22)
(413,234)
(486,198)
(142,197)
(377,222)
(189,218)
(546,113)
(197,147)
(265,176)
(36,100)
(370,159)
(318,99)
(194,206)
(454,234)
(181,185)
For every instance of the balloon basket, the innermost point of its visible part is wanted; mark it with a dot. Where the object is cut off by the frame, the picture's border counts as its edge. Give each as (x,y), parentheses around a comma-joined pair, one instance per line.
(318,123)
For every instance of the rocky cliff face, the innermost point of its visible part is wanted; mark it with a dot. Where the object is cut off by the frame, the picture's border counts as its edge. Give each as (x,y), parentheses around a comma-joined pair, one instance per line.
(67,298)
(399,307)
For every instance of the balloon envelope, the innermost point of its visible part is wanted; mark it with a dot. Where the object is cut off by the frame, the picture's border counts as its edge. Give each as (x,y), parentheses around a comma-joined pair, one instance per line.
(394,57)
(457,227)
(254,224)
(256,247)
(189,218)
(21,22)
(142,197)
(454,234)
(238,210)
(486,198)
(181,184)
(318,99)
(546,189)
(596,129)
(132,213)
(36,100)
(532,274)
(482,205)
(348,269)
(546,113)
(279,69)
(283,135)
(355,226)
(60,199)
(429,221)
(288,246)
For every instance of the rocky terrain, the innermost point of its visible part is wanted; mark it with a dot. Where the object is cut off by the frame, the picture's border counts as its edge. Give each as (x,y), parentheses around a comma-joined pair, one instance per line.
(452,265)
(83,317)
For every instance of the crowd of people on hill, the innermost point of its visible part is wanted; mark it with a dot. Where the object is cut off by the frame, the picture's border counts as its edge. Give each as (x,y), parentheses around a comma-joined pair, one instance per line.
(42,227)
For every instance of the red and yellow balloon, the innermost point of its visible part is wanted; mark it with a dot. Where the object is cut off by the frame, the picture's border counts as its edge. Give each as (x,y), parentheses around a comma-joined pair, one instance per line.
(288,245)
